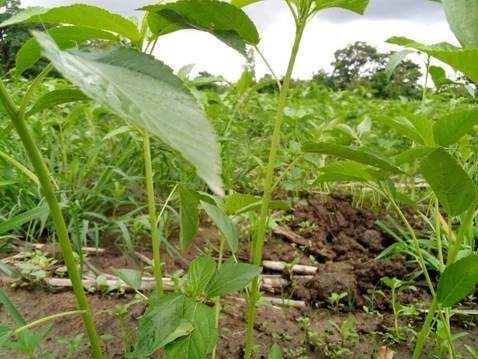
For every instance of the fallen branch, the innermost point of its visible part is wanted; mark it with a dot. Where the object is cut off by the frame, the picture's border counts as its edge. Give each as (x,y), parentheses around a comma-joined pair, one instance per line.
(291,236)
(48,248)
(148,283)
(281,302)
(284,267)
(146,260)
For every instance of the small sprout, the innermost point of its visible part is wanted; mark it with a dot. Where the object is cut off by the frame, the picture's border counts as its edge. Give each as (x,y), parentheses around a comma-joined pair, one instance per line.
(335,299)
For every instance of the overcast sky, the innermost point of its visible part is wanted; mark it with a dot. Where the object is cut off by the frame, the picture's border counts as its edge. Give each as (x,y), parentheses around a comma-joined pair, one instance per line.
(422,20)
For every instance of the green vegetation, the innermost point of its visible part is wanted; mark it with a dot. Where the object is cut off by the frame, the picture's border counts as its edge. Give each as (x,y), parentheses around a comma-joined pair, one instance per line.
(100,140)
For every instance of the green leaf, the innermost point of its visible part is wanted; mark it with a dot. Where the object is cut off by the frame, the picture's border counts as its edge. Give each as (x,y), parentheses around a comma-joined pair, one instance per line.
(235,203)
(189,216)
(450,128)
(439,78)
(238,203)
(201,341)
(65,37)
(458,281)
(358,6)
(10,308)
(275,352)
(242,3)
(80,15)
(413,154)
(20,167)
(231,278)
(55,98)
(201,270)
(462,15)
(144,91)
(455,190)
(224,223)
(347,171)
(131,277)
(14,223)
(350,154)
(405,127)
(162,318)
(225,21)
(395,60)
(463,60)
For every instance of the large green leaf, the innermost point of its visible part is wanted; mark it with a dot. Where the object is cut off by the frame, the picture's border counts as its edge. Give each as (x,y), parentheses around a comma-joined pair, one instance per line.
(347,171)
(450,128)
(55,98)
(463,60)
(412,154)
(65,37)
(358,6)
(403,126)
(225,21)
(199,342)
(80,15)
(458,280)
(347,153)
(145,92)
(189,216)
(200,272)
(455,190)
(224,223)
(231,278)
(163,317)
(462,15)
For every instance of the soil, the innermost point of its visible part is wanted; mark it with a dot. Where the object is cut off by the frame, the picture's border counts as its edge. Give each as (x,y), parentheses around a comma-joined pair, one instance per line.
(342,241)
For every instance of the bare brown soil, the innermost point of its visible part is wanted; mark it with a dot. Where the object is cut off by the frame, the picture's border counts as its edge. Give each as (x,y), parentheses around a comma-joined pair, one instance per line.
(343,243)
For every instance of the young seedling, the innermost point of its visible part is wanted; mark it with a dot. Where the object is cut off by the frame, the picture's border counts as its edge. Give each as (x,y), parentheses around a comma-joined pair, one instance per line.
(335,299)
(396,286)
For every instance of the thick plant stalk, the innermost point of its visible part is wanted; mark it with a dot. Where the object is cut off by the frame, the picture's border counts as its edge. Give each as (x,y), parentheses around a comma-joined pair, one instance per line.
(155,239)
(258,242)
(56,215)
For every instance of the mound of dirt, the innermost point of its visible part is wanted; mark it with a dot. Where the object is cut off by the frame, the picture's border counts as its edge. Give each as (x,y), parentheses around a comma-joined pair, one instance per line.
(345,241)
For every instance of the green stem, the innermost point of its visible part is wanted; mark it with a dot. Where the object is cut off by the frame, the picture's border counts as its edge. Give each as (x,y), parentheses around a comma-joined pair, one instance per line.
(46,319)
(217,304)
(148,166)
(258,242)
(423,335)
(438,235)
(395,314)
(56,215)
(460,238)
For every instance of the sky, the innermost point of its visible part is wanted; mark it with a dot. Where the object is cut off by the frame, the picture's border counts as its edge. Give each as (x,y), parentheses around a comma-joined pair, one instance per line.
(332,29)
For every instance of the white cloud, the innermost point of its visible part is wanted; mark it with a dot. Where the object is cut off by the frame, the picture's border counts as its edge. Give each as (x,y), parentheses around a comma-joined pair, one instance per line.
(326,33)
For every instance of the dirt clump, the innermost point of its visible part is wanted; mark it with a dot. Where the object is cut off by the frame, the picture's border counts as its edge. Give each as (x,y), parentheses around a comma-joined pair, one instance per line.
(345,241)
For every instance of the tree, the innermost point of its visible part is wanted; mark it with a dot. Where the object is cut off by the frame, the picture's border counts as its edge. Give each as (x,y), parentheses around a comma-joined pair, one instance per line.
(361,64)
(355,63)
(13,37)
(403,83)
